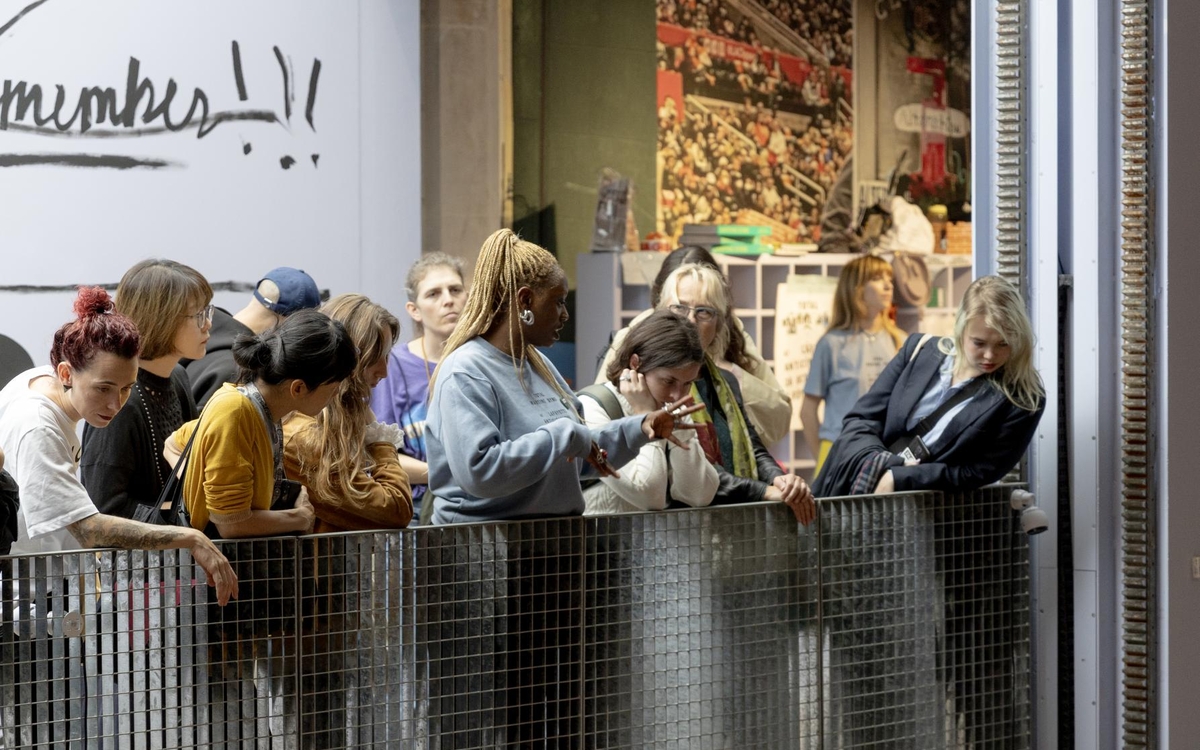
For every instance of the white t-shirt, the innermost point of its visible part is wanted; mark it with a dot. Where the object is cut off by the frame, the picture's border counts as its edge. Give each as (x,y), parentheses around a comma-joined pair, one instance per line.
(41,451)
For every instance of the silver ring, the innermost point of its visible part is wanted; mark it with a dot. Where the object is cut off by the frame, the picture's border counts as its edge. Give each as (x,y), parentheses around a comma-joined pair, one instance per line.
(624,378)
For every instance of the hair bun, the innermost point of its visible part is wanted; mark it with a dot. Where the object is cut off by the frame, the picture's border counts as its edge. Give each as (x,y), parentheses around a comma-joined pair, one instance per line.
(92,300)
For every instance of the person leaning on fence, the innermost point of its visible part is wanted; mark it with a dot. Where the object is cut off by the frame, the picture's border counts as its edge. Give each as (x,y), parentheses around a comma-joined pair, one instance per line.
(234,485)
(747,471)
(348,461)
(656,364)
(123,466)
(505,435)
(767,405)
(945,414)
(93,369)
(436,294)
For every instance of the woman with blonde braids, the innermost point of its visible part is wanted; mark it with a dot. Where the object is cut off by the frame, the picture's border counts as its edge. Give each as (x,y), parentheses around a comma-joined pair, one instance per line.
(346,459)
(505,435)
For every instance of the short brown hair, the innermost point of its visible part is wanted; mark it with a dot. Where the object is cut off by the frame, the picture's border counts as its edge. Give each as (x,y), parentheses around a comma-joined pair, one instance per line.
(157,295)
(663,339)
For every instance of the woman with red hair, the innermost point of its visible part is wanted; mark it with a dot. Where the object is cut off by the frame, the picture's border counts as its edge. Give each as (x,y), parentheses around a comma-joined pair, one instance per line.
(93,367)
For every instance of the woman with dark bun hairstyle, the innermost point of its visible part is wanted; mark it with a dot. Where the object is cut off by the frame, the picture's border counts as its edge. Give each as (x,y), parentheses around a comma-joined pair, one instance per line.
(235,484)
(93,367)
(123,466)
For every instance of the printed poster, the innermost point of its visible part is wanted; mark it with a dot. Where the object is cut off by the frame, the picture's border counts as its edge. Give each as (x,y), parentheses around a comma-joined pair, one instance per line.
(802,309)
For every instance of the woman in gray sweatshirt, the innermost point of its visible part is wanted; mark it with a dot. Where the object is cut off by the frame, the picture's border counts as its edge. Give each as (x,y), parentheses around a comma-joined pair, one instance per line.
(504,432)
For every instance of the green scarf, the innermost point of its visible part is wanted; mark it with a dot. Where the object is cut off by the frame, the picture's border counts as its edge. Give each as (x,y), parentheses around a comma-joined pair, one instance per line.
(744,464)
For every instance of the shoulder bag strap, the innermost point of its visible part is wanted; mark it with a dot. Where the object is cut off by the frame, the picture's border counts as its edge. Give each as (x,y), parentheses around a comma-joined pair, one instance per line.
(964,393)
(172,491)
(920,344)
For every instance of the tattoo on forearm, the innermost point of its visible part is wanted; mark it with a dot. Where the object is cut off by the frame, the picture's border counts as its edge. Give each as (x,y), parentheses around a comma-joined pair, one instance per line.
(102,530)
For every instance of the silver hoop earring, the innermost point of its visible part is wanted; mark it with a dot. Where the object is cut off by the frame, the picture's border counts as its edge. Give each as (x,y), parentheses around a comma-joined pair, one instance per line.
(526,317)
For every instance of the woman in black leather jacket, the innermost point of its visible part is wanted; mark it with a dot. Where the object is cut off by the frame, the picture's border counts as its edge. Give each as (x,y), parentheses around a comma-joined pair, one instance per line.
(747,471)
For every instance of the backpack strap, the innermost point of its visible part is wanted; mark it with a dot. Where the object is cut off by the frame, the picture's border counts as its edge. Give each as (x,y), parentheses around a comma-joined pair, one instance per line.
(612,407)
(920,343)
(606,398)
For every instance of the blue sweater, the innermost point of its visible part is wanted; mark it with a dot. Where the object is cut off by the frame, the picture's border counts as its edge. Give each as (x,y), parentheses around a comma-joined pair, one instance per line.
(499,451)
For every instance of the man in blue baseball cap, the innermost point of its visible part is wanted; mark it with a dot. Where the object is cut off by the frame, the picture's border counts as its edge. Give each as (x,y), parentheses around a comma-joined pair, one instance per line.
(278,294)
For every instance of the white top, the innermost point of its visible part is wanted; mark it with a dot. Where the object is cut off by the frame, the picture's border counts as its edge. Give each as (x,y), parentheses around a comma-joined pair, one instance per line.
(42,453)
(659,466)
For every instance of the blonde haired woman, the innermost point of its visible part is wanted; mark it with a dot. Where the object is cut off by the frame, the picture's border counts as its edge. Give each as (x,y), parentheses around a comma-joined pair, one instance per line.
(504,432)
(952,415)
(859,343)
(746,470)
(347,461)
(767,405)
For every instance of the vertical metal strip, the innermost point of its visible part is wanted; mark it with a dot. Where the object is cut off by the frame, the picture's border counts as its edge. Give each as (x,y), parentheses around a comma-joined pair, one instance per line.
(1138,528)
(819,530)
(1011,171)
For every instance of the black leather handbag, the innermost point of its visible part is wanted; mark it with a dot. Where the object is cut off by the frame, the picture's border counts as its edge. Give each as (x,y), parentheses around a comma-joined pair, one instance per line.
(169,510)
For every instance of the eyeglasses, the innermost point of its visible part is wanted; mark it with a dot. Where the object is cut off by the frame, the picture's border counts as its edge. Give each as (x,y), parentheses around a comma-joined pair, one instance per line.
(202,318)
(703,314)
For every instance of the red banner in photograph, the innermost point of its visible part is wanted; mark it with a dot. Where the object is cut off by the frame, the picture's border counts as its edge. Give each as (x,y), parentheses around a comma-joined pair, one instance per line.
(670,86)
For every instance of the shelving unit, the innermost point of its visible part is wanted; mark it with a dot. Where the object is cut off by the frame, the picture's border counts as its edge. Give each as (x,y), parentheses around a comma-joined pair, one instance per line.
(605,302)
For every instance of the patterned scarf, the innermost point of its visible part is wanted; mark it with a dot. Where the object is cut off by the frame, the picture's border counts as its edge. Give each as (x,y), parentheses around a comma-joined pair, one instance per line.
(743,463)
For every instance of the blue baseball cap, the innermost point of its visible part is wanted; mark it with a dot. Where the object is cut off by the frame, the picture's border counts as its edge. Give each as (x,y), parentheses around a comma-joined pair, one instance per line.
(297,291)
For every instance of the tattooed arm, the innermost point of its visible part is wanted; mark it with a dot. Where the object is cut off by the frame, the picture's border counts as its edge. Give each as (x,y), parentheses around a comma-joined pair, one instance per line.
(102,530)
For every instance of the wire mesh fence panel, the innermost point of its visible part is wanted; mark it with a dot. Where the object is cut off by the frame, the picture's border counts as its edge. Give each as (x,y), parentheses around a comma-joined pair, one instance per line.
(898,622)
(695,621)
(499,622)
(253,655)
(925,603)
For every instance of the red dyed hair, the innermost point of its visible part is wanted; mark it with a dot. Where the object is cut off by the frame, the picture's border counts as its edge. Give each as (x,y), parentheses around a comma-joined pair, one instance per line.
(96,329)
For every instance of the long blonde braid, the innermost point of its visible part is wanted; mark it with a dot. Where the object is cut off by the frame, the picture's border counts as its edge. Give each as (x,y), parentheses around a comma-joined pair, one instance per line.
(506,263)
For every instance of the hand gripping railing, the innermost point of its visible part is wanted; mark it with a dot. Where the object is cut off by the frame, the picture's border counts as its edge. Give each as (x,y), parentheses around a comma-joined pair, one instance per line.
(897,621)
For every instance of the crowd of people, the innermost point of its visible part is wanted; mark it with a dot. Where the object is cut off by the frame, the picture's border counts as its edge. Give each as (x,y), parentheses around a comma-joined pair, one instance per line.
(707,173)
(827,25)
(473,414)
(716,162)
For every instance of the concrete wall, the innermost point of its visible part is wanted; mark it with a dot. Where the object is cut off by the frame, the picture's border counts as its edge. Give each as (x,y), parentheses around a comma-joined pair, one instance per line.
(465,122)
(584,99)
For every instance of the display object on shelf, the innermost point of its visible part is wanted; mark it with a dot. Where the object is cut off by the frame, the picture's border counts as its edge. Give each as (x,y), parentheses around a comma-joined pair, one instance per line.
(614,292)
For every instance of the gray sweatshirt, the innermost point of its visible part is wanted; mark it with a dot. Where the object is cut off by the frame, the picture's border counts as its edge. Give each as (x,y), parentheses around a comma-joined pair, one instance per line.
(499,451)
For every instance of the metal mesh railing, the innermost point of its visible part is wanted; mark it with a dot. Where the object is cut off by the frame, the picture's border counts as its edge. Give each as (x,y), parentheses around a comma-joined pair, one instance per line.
(899,621)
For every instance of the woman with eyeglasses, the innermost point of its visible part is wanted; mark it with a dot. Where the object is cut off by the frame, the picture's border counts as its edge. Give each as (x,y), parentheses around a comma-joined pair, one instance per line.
(766,404)
(746,470)
(122,465)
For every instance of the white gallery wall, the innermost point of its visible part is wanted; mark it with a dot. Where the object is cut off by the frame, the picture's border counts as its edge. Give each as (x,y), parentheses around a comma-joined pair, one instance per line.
(231,136)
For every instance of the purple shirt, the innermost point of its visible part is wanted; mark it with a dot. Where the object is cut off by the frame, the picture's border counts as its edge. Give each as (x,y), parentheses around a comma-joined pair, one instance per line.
(402,399)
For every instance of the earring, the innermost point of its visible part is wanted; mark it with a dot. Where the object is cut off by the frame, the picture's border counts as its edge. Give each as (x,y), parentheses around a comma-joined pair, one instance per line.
(526,317)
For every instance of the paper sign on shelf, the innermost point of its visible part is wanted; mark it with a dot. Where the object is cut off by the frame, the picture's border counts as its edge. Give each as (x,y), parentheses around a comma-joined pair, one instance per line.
(802,308)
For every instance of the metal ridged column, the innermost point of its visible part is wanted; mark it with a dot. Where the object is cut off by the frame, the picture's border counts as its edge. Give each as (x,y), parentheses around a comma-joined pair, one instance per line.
(1138,532)
(1011,190)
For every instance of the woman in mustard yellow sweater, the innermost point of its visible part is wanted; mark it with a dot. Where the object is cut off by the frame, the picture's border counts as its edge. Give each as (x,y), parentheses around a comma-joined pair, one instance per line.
(235,471)
(346,459)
